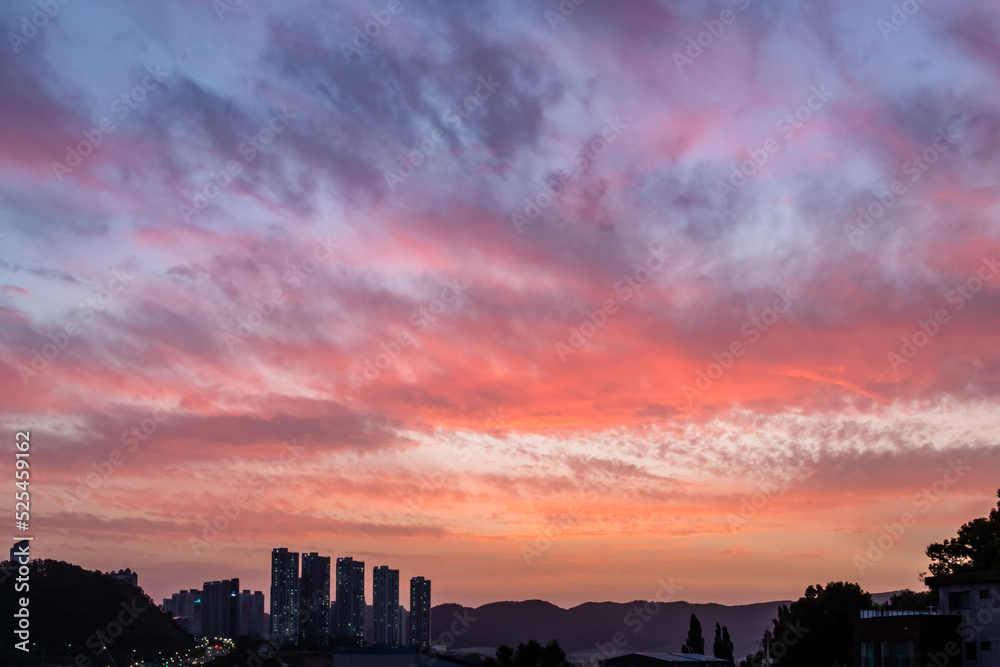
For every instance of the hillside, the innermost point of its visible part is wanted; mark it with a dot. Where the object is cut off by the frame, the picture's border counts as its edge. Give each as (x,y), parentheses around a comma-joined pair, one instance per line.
(580,629)
(70,606)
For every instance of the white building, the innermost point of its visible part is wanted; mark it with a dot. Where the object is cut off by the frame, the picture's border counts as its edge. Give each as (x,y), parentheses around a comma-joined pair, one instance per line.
(976,597)
(186,608)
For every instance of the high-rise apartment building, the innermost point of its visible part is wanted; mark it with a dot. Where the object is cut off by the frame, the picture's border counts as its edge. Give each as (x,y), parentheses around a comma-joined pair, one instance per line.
(185,607)
(314,600)
(420,613)
(385,606)
(220,610)
(252,614)
(350,626)
(284,596)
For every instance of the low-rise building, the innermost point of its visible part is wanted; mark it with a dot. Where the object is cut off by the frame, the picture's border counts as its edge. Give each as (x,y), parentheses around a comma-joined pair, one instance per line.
(963,630)
(663,660)
(127,576)
(885,638)
(975,596)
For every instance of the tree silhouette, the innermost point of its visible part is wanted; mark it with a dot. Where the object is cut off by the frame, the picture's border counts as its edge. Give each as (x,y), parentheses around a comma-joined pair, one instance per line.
(909,601)
(976,548)
(722,647)
(695,641)
(531,654)
(817,630)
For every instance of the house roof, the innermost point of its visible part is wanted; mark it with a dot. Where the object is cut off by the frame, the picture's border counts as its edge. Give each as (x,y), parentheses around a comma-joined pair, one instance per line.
(982,577)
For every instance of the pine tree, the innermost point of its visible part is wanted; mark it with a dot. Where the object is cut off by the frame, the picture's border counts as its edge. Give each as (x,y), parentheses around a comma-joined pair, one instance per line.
(695,641)
(722,647)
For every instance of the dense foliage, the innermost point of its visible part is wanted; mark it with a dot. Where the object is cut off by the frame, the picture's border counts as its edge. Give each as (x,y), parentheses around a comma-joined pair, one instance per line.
(815,631)
(976,548)
(531,654)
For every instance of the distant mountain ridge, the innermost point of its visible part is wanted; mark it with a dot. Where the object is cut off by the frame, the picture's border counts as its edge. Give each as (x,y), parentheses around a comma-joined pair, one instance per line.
(586,629)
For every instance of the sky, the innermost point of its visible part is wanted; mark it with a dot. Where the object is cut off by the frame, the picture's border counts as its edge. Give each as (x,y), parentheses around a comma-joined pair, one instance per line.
(534,299)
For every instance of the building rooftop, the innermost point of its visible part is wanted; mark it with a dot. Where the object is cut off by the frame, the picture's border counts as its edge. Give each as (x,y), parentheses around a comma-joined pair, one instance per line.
(882,613)
(674,657)
(983,577)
